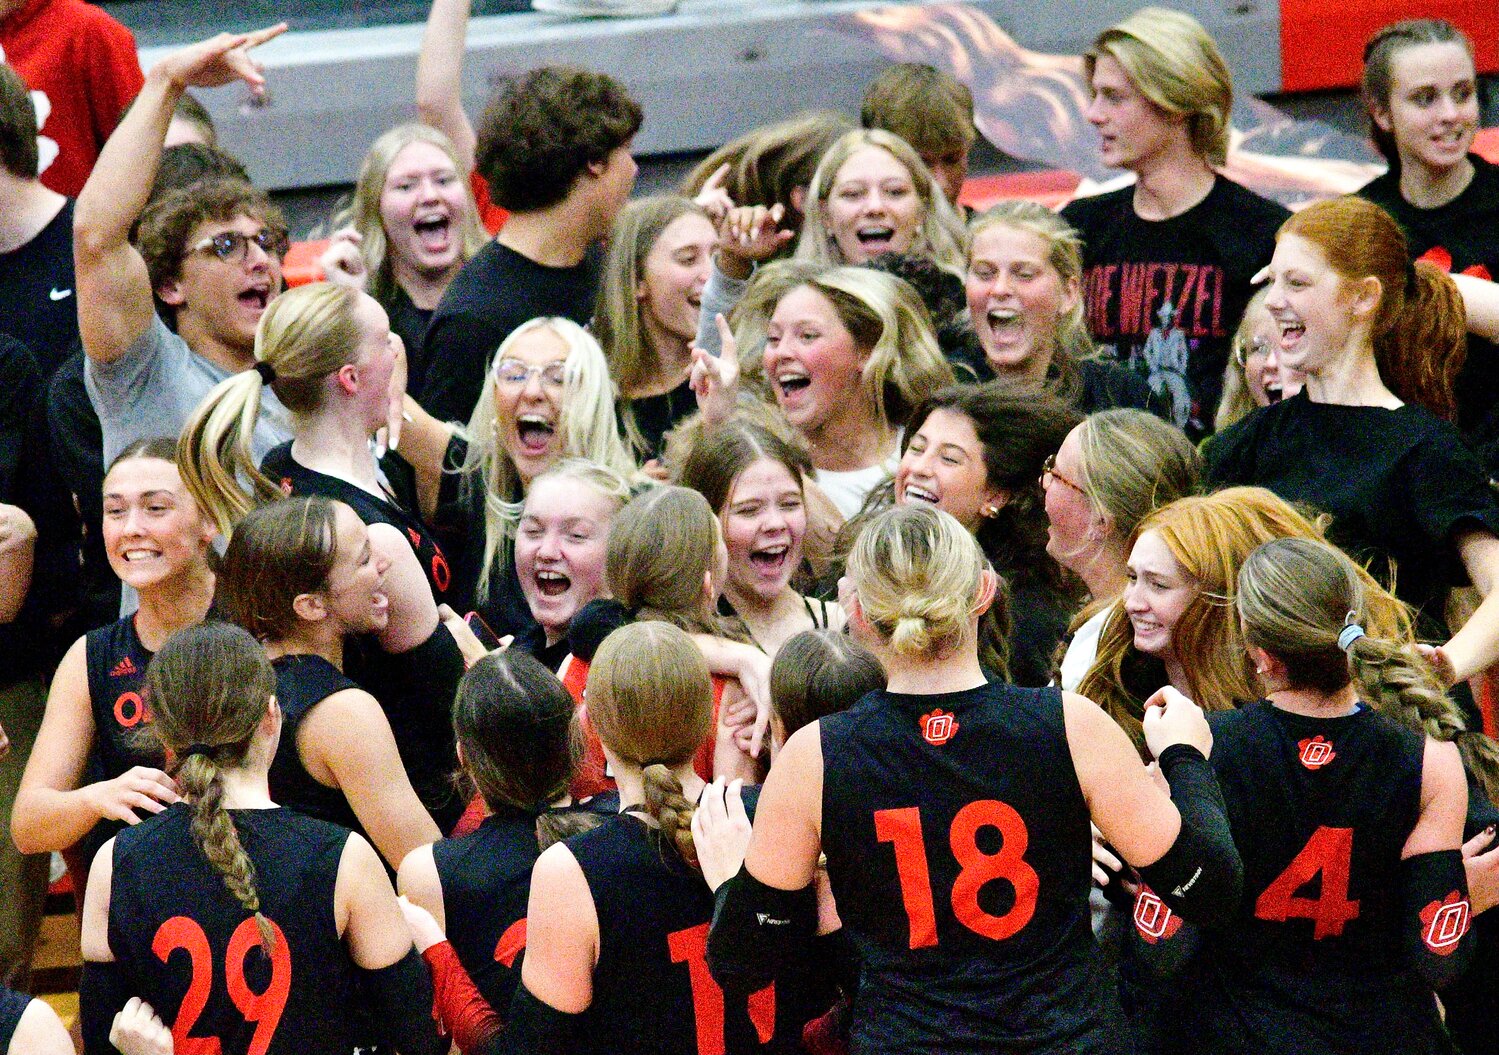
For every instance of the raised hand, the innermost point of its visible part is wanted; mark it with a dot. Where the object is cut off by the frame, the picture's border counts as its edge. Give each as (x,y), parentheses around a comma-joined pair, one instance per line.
(139,788)
(220,60)
(748,235)
(342,262)
(715,379)
(713,199)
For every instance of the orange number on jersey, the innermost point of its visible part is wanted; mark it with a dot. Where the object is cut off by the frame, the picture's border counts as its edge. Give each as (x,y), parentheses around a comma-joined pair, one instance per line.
(511,943)
(902,828)
(690,946)
(1330,852)
(264,1009)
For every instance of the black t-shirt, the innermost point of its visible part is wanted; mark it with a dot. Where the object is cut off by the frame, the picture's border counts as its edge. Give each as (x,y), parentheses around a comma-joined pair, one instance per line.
(187,947)
(302,682)
(1399,485)
(409,323)
(12,1006)
(77,448)
(497,291)
(1164,296)
(957,841)
(1314,961)
(655,416)
(1104,385)
(1461,237)
(38,304)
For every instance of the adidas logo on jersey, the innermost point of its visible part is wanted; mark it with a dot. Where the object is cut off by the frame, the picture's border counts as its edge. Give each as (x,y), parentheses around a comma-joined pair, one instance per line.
(938,727)
(1316,752)
(123,668)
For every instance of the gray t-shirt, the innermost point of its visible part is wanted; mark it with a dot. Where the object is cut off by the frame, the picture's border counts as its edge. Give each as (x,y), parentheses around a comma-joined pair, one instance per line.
(154,388)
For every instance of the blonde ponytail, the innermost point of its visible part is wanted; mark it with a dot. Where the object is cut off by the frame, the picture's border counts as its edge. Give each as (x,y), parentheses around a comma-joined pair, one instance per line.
(214,455)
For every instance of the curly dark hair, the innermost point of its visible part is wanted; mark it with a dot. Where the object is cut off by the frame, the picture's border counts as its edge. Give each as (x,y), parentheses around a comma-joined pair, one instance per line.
(542,130)
(169,219)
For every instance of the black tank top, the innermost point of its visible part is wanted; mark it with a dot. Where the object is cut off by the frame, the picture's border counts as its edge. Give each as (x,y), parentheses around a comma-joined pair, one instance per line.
(1321,809)
(296,479)
(12,1006)
(652,994)
(190,950)
(303,682)
(957,843)
(116,662)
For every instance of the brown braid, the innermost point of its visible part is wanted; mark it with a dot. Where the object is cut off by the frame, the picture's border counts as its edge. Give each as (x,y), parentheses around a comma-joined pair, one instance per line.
(667,805)
(216,836)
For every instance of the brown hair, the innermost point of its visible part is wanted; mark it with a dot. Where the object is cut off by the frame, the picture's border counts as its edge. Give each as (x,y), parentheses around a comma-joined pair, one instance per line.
(18,133)
(513,721)
(720,454)
(276,553)
(650,697)
(544,128)
(209,687)
(768,163)
(1420,328)
(169,220)
(1379,60)
(930,109)
(820,672)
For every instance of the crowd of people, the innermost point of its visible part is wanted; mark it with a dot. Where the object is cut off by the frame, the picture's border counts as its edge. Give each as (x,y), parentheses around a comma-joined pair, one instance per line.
(795,614)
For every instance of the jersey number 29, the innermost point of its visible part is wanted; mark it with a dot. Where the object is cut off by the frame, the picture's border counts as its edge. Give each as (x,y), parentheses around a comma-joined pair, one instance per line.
(264,1008)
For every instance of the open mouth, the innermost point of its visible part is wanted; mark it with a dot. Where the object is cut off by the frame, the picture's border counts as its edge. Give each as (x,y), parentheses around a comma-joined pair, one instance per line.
(769,560)
(917,493)
(1291,333)
(1005,322)
(256,298)
(433,233)
(695,299)
(791,382)
(1273,393)
(380,603)
(552,583)
(134,556)
(535,433)
(877,239)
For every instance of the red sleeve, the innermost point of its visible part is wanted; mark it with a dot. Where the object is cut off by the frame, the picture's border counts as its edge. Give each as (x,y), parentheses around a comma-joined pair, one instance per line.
(490,215)
(456,1003)
(114,72)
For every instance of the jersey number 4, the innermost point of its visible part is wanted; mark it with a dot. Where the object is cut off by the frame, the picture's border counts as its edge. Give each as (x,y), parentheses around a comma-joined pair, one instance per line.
(902,828)
(1330,852)
(264,1008)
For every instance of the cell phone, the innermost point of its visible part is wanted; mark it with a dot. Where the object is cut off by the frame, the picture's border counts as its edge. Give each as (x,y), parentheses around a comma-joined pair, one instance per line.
(487,637)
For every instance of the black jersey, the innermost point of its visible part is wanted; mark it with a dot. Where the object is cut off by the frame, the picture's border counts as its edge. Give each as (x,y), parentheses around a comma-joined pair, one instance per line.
(296,479)
(116,662)
(303,682)
(957,841)
(191,951)
(1321,809)
(652,993)
(12,1006)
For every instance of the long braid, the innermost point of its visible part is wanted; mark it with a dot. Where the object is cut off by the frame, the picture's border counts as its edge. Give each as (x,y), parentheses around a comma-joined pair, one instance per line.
(666,803)
(215,834)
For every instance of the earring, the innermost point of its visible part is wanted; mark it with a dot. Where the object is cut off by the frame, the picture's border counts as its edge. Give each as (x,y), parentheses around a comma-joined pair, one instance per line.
(991,511)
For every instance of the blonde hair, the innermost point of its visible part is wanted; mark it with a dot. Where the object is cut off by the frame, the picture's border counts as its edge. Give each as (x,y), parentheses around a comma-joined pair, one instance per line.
(306,335)
(363,210)
(916,572)
(940,234)
(882,313)
(1236,403)
(1132,463)
(618,321)
(1064,254)
(660,547)
(1295,596)
(1175,64)
(1210,536)
(210,687)
(586,424)
(650,697)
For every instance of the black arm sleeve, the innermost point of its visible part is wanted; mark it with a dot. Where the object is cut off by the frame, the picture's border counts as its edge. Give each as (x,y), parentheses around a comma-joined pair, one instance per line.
(1200,876)
(1439,939)
(402,995)
(535,1028)
(756,929)
(102,994)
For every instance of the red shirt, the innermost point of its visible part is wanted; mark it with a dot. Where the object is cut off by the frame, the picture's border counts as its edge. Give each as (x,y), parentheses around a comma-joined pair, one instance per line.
(82,69)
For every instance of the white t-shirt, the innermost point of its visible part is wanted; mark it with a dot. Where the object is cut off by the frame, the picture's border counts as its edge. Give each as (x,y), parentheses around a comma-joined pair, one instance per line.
(1082,650)
(848,490)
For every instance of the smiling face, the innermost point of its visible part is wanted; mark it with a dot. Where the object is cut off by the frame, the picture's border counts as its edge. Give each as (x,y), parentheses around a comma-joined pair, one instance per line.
(872,206)
(1433,107)
(811,359)
(1265,379)
(528,413)
(1157,593)
(559,550)
(1016,299)
(422,207)
(1315,309)
(673,275)
(764,522)
(1132,130)
(355,591)
(224,299)
(152,531)
(943,465)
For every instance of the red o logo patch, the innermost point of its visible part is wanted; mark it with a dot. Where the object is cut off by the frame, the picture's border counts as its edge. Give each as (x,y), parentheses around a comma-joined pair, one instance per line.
(1443,923)
(1316,752)
(130,710)
(1153,919)
(938,727)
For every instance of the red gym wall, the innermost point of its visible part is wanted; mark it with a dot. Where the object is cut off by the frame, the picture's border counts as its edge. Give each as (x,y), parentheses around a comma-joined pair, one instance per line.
(1322,41)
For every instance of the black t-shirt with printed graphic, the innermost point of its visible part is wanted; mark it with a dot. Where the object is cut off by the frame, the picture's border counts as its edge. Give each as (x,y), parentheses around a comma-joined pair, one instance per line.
(1164,296)
(1461,237)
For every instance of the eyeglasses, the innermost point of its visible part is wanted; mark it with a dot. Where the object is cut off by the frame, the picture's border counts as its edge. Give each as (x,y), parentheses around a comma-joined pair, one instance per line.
(512,373)
(231,245)
(1257,346)
(1049,473)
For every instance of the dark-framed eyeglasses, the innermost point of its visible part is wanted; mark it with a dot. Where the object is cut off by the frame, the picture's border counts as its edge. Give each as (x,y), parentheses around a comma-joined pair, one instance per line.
(232,245)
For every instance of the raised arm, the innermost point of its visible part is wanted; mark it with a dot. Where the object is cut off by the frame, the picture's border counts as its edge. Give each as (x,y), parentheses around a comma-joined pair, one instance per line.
(114,290)
(439,77)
